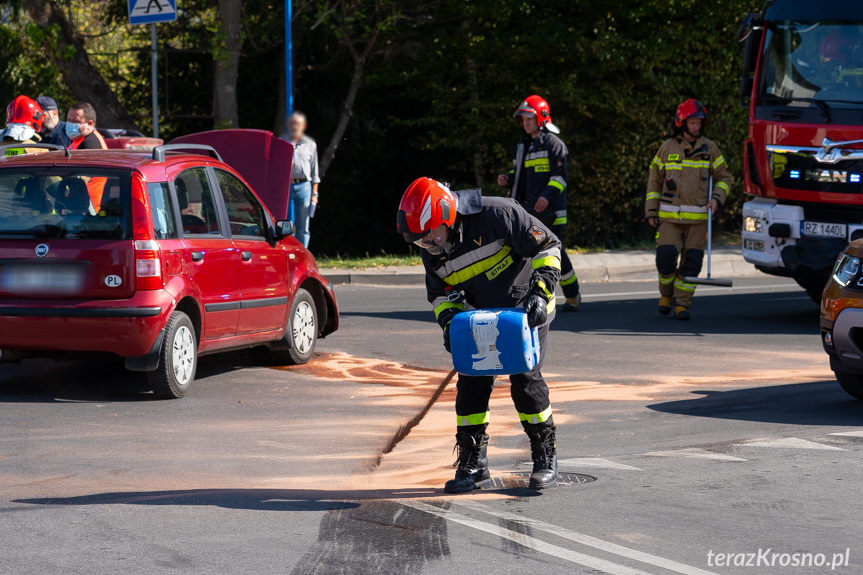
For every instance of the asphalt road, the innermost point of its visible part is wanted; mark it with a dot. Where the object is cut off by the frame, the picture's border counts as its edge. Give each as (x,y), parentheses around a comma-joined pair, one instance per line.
(680,441)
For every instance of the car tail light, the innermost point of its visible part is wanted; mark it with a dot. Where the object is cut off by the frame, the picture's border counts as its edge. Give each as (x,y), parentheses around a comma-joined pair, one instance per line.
(148,261)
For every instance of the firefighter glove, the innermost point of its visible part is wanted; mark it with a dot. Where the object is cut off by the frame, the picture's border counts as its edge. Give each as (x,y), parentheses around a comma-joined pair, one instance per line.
(536,308)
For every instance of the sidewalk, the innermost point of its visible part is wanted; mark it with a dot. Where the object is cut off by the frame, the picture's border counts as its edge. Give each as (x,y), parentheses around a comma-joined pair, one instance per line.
(611,266)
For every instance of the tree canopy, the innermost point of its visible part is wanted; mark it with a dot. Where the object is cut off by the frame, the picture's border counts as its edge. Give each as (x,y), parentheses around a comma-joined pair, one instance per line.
(395,89)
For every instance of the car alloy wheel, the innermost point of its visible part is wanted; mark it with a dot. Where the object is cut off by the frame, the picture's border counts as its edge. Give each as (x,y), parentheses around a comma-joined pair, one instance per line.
(303,327)
(183,350)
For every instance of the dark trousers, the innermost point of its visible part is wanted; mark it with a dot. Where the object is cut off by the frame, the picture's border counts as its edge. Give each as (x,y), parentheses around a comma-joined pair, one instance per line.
(568,277)
(529,394)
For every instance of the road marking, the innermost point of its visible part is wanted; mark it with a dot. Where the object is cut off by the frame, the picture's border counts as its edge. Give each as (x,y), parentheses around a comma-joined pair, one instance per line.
(595,462)
(790,443)
(696,453)
(848,433)
(527,541)
(701,290)
(588,540)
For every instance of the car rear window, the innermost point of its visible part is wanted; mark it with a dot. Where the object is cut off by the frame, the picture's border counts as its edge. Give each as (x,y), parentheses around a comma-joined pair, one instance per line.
(69,203)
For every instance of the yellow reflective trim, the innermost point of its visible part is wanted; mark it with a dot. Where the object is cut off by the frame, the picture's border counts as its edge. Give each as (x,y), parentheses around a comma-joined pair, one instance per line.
(718,162)
(544,288)
(14,152)
(669,215)
(472,419)
(537,163)
(724,186)
(546,262)
(496,270)
(447,305)
(666,280)
(673,166)
(559,221)
(683,286)
(653,196)
(696,163)
(569,279)
(657,161)
(694,216)
(540,417)
(556,184)
(479,267)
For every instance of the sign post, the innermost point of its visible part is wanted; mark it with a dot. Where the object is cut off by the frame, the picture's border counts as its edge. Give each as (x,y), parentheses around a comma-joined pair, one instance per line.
(152,12)
(289,64)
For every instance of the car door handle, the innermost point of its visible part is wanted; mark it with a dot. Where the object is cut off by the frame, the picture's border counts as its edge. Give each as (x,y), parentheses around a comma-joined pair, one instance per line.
(247,256)
(197,256)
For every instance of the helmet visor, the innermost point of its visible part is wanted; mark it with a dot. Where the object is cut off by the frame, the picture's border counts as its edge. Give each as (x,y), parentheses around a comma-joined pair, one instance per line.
(432,240)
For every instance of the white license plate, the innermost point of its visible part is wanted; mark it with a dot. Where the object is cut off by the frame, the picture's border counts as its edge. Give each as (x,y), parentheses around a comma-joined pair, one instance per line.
(824,230)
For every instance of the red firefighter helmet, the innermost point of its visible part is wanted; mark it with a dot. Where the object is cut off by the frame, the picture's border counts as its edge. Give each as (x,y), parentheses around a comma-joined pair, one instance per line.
(690,108)
(425,205)
(24,110)
(538,107)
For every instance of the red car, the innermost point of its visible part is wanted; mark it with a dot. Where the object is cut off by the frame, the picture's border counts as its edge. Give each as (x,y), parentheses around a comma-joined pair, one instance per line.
(156,257)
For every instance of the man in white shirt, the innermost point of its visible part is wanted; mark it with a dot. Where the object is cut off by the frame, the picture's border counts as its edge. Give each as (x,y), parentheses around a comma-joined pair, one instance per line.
(304,176)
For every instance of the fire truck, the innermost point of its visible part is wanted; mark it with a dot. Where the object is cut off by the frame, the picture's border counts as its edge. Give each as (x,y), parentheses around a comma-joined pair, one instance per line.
(803,158)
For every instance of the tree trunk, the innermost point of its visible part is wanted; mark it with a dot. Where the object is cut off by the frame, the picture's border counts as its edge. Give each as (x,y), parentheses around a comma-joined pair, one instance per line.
(348,107)
(226,57)
(66,51)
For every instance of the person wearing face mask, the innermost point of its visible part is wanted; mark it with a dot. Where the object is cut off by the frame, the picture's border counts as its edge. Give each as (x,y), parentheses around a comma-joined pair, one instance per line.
(81,130)
(53,130)
(487,253)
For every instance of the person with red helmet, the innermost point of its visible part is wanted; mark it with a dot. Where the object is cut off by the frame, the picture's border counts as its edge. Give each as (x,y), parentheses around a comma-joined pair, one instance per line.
(538,181)
(23,122)
(487,253)
(689,181)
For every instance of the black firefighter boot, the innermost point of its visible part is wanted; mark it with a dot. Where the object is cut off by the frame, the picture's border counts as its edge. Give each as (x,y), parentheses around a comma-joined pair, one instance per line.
(472,463)
(543,450)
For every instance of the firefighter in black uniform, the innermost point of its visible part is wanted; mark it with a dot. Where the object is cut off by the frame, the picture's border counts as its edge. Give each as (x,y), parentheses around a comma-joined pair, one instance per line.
(538,181)
(487,253)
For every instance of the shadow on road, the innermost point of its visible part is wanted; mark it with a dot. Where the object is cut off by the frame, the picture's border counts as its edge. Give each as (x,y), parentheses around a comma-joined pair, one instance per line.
(818,403)
(789,312)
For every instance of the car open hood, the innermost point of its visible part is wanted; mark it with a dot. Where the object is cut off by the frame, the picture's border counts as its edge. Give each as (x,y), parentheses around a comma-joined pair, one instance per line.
(262,159)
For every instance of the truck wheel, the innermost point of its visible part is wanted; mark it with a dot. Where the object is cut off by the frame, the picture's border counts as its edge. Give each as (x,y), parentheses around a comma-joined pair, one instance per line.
(178,359)
(852,383)
(301,333)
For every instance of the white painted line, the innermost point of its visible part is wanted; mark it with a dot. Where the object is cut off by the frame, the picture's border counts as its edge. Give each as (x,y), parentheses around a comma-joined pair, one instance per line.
(696,453)
(848,433)
(790,443)
(526,540)
(588,540)
(700,290)
(595,462)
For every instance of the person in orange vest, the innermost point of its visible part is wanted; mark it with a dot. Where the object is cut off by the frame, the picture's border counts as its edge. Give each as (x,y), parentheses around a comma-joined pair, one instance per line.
(81,128)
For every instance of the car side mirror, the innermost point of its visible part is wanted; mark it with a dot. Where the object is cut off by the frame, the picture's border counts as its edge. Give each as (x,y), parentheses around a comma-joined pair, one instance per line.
(284,229)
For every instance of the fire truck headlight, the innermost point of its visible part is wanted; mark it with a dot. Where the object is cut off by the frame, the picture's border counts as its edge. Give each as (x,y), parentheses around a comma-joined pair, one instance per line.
(752,224)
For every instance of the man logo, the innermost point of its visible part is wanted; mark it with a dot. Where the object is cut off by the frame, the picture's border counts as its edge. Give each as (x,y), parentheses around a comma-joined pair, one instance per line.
(42,250)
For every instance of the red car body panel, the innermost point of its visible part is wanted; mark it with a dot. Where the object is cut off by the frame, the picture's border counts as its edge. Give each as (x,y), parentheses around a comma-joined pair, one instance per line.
(264,161)
(251,298)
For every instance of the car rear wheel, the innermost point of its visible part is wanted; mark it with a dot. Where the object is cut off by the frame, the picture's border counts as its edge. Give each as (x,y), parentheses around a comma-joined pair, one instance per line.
(301,332)
(178,359)
(852,383)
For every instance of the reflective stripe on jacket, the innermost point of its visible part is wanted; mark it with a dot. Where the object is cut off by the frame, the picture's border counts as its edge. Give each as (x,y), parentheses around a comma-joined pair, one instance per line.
(540,171)
(500,251)
(689,167)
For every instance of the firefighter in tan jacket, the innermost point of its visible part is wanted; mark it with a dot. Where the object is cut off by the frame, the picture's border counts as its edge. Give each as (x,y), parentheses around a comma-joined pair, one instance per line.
(679,202)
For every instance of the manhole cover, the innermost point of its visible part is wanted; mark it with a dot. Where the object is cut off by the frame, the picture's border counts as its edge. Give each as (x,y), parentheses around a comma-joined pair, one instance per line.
(520,479)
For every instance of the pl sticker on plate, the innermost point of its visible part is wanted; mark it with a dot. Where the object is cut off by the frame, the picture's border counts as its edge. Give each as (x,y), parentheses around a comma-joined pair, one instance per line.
(113,281)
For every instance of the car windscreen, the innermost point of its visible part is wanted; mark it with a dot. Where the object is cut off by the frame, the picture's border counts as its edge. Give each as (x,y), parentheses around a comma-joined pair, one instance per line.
(814,62)
(69,203)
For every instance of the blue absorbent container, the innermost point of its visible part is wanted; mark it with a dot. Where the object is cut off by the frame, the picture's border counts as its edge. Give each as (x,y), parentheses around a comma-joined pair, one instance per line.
(493,342)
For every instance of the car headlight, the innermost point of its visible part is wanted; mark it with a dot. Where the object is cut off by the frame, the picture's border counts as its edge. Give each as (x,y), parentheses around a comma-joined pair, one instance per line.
(751,224)
(846,269)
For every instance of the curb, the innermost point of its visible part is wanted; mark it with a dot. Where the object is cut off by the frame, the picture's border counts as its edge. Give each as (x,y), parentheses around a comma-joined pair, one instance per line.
(729,266)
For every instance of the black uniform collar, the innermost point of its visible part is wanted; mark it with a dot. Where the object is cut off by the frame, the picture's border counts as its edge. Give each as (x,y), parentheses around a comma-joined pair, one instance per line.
(469,201)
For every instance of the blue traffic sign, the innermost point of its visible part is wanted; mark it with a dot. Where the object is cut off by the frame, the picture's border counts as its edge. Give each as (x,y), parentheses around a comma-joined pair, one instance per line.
(152,11)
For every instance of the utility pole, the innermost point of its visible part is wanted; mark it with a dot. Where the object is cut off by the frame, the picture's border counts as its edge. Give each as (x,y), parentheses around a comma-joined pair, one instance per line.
(154,78)
(289,63)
